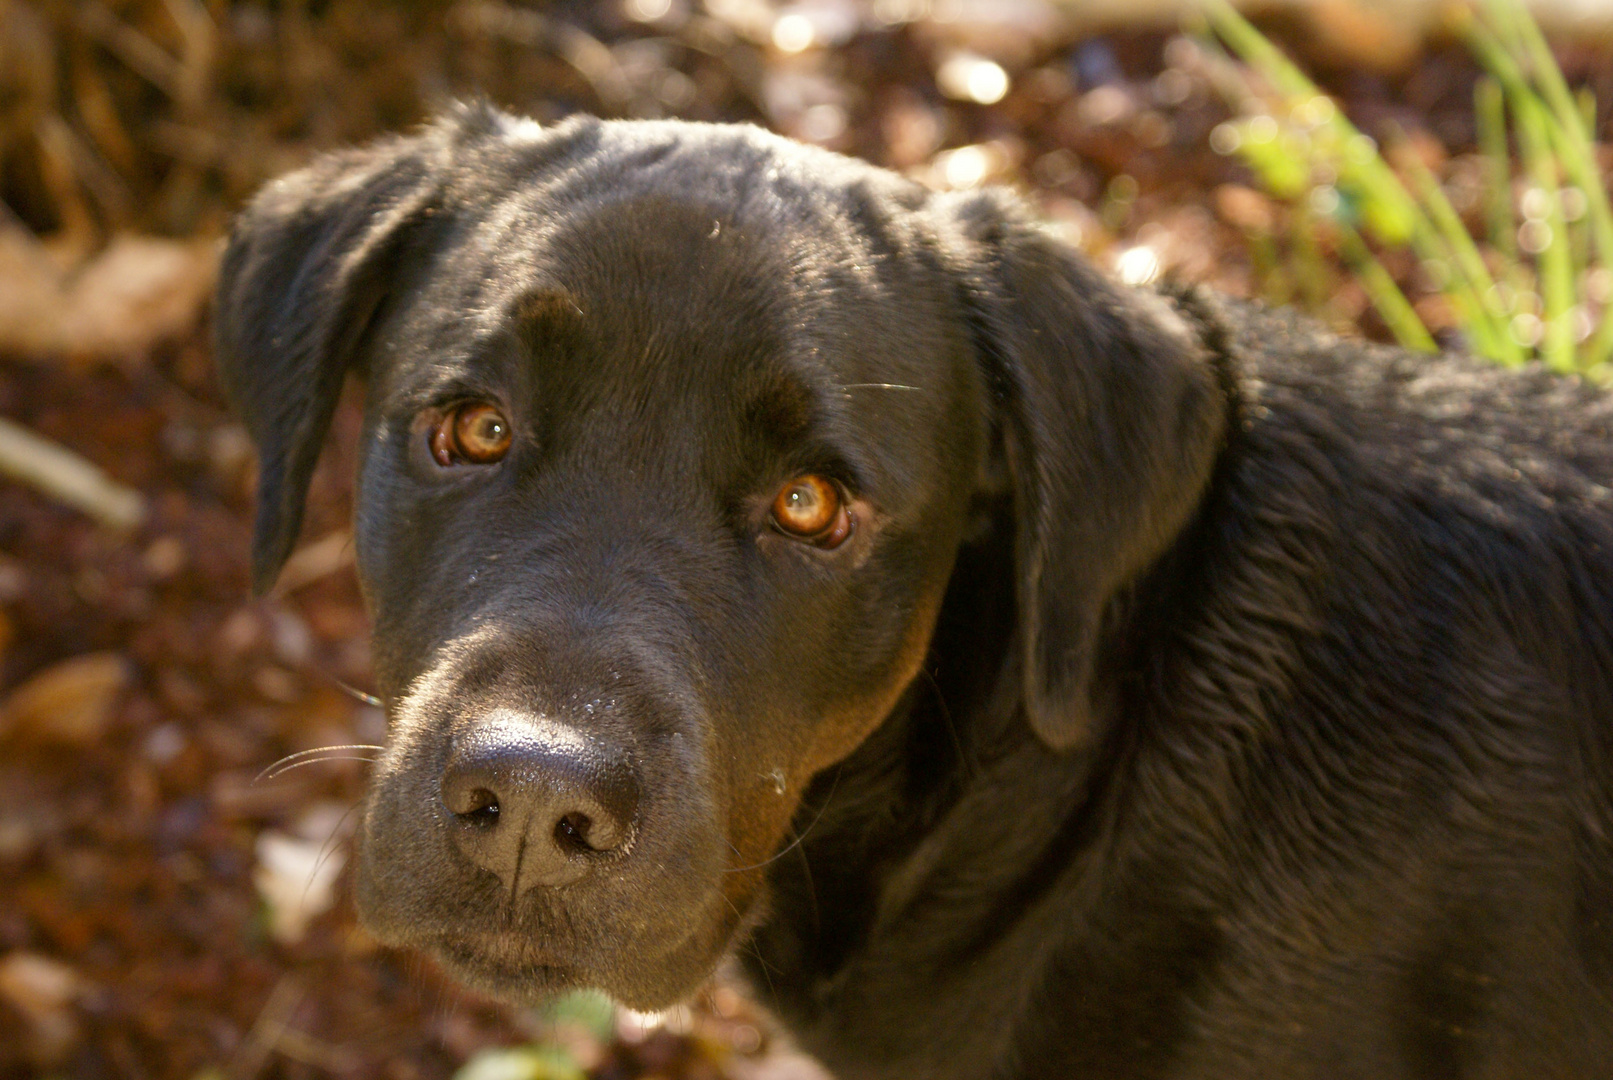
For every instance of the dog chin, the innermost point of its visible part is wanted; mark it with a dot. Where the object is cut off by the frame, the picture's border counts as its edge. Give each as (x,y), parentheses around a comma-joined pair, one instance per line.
(518,968)
(505,967)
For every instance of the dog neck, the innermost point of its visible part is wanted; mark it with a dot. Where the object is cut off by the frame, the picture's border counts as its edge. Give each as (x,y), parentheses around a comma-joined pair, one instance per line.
(955,787)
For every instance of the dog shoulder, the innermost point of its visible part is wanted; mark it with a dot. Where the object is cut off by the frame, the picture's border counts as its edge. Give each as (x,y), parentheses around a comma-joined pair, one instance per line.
(1446,433)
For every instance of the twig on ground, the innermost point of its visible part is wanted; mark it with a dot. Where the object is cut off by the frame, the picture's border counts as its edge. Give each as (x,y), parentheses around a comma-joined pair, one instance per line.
(317,559)
(269,1030)
(68,478)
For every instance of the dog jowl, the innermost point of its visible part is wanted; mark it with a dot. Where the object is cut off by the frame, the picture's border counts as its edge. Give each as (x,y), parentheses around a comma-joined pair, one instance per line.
(1028,676)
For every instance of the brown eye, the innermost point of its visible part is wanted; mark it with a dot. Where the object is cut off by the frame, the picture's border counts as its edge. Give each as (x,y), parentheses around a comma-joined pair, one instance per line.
(474,433)
(810,508)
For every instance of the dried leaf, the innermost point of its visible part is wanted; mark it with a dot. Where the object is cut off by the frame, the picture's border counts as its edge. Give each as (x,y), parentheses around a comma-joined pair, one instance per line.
(70,703)
(42,990)
(296,874)
(65,476)
(37,985)
(137,292)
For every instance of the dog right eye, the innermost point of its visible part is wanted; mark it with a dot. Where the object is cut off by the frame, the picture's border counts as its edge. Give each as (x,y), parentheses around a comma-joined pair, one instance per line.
(472,433)
(811,509)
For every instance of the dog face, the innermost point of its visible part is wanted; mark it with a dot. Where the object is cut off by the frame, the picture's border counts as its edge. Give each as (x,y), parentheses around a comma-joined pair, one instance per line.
(672,435)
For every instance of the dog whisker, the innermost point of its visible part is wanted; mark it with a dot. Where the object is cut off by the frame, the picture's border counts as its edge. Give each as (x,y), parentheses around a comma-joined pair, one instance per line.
(268,774)
(878,386)
(749,945)
(348,752)
(328,848)
(355,692)
(811,890)
(793,844)
(964,761)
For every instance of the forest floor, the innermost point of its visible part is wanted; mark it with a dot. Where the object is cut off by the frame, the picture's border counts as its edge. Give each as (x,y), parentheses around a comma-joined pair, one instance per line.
(163,914)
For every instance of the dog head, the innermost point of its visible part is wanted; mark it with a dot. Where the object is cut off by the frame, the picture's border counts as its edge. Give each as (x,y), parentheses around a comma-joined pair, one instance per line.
(672,434)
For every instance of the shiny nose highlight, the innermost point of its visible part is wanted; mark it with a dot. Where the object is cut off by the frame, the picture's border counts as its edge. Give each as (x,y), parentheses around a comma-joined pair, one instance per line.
(535,801)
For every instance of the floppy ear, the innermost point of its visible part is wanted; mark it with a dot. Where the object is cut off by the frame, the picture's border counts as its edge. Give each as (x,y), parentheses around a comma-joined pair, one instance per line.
(308,263)
(1112,414)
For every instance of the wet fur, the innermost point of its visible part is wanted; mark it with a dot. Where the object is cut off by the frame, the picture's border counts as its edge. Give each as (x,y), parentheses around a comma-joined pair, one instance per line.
(1214,697)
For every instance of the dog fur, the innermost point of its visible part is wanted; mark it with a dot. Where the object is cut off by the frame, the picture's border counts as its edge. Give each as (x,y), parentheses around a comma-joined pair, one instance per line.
(1199,695)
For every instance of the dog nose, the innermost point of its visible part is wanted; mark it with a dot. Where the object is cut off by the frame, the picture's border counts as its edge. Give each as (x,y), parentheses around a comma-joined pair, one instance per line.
(535,801)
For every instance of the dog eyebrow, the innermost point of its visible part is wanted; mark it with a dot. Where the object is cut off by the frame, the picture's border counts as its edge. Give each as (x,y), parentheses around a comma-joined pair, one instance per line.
(550,310)
(551,317)
(780,406)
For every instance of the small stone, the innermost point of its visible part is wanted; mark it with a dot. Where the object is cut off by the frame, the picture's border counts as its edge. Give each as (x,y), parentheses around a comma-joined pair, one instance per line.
(164,558)
(277,684)
(1244,207)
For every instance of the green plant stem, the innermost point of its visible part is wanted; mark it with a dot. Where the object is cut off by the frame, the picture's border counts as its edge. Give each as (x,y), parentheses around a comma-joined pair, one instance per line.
(1555,131)
(1387,209)
(1568,134)
(1310,269)
(1386,296)
(1253,46)
(1270,281)
(1490,115)
(1472,288)
(1555,259)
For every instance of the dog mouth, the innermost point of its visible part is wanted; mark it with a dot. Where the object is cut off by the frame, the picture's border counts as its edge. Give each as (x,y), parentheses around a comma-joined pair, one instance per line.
(508,964)
(528,967)
(644,920)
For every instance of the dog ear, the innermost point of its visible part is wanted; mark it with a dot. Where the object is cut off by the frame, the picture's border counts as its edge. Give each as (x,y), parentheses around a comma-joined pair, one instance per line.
(1112,414)
(308,263)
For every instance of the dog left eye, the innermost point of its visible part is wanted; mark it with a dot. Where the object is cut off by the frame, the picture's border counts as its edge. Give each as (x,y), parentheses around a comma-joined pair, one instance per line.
(474,433)
(810,508)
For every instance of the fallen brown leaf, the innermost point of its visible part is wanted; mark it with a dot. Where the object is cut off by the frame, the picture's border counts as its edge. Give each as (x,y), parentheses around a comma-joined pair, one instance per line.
(42,990)
(70,702)
(136,292)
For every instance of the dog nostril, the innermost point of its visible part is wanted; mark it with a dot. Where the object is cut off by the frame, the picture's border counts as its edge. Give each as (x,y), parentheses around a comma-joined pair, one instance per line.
(571,833)
(470,800)
(535,802)
(481,808)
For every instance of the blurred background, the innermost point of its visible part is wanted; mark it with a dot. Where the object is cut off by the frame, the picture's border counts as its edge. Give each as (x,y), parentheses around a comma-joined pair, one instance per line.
(1424,172)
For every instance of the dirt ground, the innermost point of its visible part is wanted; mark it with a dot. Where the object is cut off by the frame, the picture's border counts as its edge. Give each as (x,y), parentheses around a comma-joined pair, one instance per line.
(163,913)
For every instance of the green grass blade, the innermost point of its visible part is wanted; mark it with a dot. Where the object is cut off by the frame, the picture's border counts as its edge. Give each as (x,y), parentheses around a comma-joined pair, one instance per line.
(1469,274)
(1257,50)
(1511,15)
(1312,275)
(1386,296)
(1470,278)
(1554,259)
(1490,114)
(1569,135)
(1574,140)
(1387,209)
(1382,202)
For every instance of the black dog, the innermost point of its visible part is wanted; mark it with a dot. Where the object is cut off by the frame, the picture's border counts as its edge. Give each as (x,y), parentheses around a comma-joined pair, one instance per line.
(1029,678)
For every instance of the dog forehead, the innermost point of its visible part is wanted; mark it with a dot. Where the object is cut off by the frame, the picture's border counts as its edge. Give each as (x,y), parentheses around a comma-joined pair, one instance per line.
(704,272)
(784,317)
(672,210)
(643,257)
